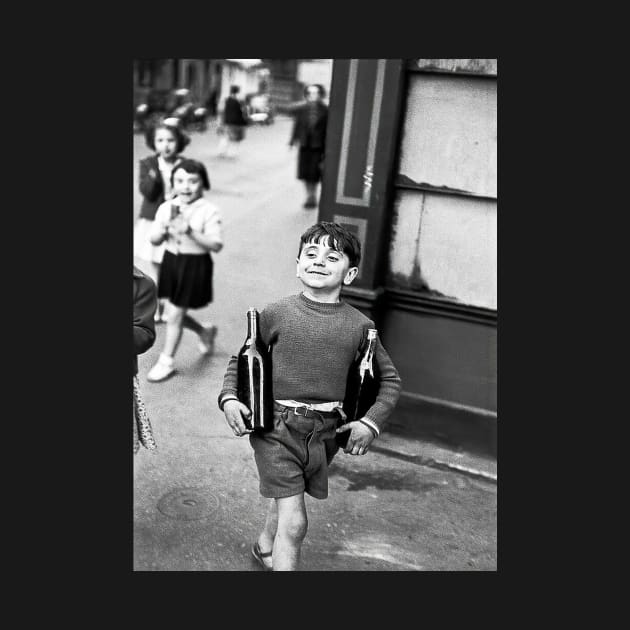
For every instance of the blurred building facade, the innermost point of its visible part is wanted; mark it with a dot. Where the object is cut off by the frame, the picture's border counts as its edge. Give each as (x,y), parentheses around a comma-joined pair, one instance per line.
(411,168)
(282,79)
(288,77)
(201,76)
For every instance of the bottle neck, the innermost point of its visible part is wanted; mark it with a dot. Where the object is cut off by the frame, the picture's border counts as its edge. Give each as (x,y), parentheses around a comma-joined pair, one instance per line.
(252,326)
(368,355)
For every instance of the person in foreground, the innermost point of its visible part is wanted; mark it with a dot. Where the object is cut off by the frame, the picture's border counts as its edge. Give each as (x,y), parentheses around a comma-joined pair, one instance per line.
(314,337)
(144,307)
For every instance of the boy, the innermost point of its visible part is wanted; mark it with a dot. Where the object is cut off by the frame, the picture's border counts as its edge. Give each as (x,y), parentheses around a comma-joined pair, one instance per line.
(313,337)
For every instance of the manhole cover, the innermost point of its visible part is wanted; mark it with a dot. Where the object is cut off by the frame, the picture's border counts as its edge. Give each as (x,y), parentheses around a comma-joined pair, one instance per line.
(188,504)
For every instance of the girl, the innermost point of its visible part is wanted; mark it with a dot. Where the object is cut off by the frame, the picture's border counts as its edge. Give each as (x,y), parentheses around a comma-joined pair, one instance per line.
(191,228)
(168,141)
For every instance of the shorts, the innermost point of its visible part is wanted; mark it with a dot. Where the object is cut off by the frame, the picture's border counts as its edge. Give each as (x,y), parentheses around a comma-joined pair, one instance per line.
(294,456)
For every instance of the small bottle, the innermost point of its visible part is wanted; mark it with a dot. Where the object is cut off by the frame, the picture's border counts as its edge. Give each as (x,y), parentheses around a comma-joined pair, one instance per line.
(254,377)
(362,385)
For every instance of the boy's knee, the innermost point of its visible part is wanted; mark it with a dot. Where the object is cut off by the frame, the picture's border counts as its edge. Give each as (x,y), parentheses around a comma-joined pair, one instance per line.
(293,526)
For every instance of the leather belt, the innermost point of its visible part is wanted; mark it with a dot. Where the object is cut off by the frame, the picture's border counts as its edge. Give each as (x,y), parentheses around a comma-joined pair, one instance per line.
(306,412)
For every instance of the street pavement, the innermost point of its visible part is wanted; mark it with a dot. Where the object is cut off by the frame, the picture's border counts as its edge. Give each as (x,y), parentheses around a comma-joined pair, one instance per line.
(405,506)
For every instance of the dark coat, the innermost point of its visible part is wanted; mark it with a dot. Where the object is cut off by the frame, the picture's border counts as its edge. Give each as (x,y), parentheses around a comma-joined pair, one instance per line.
(233,112)
(314,138)
(144,307)
(152,188)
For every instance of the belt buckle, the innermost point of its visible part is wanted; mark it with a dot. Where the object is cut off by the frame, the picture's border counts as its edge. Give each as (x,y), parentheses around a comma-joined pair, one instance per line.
(297,413)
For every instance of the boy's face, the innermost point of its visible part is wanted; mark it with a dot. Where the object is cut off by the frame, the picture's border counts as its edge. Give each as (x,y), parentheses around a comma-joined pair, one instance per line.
(319,266)
(165,143)
(187,186)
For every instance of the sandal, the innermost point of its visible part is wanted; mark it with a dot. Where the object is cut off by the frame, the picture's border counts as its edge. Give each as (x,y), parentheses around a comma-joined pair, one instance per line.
(259,555)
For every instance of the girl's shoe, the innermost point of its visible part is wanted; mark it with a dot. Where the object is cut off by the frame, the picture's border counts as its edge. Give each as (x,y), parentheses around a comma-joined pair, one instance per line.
(161,370)
(206,345)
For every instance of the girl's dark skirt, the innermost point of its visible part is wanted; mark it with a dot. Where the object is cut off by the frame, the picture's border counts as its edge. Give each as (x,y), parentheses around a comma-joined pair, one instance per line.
(310,164)
(186,279)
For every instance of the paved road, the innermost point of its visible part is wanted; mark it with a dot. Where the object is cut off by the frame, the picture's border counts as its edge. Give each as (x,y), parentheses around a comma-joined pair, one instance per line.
(196,500)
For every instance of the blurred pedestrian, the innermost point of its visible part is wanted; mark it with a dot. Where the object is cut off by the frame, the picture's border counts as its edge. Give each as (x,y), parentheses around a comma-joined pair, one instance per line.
(144,307)
(211,102)
(167,140)
(309,132)
(190,227)
(314,338)
(234,122)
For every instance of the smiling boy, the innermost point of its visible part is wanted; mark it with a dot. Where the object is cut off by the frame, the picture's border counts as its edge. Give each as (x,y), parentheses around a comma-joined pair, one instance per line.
(314,338)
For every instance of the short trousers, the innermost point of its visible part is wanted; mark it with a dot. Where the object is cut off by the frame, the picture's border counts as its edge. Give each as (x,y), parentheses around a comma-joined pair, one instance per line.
(294,456)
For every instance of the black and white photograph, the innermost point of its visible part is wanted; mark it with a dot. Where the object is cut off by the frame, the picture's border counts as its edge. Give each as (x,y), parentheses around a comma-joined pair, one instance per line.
(315,314)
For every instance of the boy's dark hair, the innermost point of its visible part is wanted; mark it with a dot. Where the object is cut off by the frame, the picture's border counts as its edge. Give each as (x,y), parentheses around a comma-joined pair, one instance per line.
(193,166)
(234,89)
(341,240)
(319,86)
(182,139)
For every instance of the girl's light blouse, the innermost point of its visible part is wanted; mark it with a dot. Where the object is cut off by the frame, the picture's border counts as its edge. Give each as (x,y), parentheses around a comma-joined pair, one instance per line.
(202,216)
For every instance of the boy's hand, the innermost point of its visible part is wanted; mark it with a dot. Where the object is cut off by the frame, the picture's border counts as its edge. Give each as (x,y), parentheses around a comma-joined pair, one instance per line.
(234,411)
(360,438)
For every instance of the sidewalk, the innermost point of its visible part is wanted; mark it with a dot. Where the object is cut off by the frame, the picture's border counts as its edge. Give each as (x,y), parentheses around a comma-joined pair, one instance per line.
(406,505)
(427,454)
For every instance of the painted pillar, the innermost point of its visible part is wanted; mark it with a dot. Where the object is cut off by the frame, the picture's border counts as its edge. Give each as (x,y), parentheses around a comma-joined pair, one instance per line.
(361,145)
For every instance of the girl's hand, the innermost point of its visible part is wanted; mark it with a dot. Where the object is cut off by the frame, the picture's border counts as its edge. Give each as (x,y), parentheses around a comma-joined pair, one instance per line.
(152,173)
(235,411)
(360,438)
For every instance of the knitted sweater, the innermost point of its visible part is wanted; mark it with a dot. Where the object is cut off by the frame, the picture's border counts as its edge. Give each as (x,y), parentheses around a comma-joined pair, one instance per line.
(312,346)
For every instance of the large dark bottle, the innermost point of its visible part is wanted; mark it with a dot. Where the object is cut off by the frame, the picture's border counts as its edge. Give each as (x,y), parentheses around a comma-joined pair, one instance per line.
(362,385)
(254,377)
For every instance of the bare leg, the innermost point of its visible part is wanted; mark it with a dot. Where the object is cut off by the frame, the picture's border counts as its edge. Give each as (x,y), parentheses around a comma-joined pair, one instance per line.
(292,527)
(192,324)
(223,144)
(174,329)
(268,534)
(155,274)
(311,189)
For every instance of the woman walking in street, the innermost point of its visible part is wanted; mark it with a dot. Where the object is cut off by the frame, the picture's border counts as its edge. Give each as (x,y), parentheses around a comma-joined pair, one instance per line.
(309,132)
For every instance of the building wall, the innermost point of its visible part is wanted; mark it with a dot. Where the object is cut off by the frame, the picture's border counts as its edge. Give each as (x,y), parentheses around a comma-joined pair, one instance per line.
(441,275)
(233,74)
(315,71)
(410,167)
(445,218)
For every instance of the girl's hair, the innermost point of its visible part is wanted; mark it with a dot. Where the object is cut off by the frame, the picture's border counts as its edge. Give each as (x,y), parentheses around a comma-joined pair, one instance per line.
(192,166)
(181,138)
(319,86)
(341,240)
